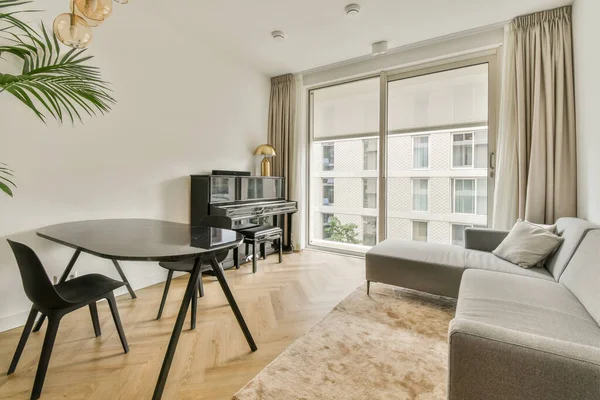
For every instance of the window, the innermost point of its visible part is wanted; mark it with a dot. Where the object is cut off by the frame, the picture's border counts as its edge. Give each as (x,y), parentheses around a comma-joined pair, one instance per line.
(328,156)
(462,150)
(481,149)
(328,184)
(420,152)
(458,234)
(420,189)
(369,231)
(427,168)
(369,192)
(470,196)
(370,154)
(464,196)
(326,218)
(419,231)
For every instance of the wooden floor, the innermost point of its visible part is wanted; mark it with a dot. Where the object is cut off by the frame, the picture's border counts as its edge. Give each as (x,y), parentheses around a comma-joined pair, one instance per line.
(280,303)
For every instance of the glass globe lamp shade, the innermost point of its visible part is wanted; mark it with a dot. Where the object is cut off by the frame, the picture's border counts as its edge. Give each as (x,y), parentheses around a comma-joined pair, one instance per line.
(72,30)
(91,22)
(97,10)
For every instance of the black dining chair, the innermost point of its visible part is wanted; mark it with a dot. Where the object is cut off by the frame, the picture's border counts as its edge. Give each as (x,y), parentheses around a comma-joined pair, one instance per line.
(55,301)
(213,221)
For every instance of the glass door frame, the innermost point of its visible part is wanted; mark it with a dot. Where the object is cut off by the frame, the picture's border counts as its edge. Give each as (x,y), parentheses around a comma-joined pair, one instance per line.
(489,57)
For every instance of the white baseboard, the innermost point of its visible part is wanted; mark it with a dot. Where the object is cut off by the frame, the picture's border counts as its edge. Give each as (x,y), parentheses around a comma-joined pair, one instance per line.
(19,319)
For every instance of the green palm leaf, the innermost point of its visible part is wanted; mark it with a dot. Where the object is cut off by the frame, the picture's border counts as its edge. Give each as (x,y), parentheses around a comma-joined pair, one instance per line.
(6,175)
(52,83)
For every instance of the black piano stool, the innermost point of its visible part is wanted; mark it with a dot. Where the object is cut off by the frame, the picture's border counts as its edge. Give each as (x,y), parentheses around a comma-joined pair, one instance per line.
(260,235)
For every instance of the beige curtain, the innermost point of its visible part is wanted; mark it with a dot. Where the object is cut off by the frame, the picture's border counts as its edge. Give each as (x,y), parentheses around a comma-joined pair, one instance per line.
(282,132)
(537,171)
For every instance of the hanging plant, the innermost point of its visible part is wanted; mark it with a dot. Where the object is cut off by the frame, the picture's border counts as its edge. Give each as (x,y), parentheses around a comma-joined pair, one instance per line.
(51,84)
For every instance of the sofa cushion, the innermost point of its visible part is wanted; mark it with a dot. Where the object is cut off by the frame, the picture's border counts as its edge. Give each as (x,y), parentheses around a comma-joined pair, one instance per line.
(527,245)
(582,275)
(475,259)
(526,304)
(572,231)
(427,267)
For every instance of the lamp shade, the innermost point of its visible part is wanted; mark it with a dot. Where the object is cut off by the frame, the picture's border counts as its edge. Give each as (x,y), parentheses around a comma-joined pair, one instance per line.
(265,150)
(72,30)
(97,10)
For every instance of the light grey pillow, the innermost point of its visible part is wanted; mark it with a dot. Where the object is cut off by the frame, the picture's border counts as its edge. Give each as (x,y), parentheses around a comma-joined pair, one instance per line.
(527,245)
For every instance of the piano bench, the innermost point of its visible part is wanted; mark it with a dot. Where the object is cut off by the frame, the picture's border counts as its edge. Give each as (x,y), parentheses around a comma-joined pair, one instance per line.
(260,235)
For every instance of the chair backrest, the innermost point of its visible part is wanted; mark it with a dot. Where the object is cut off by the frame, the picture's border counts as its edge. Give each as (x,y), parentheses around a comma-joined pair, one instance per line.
(217,221)
(572,231)
(37,285)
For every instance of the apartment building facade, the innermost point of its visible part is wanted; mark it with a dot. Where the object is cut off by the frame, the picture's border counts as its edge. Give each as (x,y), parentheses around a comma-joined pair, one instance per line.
(436,185)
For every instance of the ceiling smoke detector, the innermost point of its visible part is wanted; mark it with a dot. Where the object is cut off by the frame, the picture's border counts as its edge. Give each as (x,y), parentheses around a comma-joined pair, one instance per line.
(278,35)
(380,48)
(352,10)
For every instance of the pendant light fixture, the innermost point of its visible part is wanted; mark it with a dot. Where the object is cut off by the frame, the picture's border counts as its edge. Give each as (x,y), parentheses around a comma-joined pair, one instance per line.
(91,22)
(96,10)
(72,30)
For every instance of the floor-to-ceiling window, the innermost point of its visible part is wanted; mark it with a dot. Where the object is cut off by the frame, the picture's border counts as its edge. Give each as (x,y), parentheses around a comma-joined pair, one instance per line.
(344,161)
(437,150)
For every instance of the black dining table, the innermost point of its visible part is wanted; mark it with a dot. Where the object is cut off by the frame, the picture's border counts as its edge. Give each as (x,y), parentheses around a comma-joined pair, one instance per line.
(153,240)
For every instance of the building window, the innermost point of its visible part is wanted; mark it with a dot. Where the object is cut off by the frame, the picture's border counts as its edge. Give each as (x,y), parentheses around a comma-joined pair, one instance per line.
(420,194)
(462,150)
(326,219)
(370,154)
(328,156)
(369,192)
(369,231)
(469,196)
(328,184)
(464,196)
(419,231)
(458,234)
(420,152)
(481,149)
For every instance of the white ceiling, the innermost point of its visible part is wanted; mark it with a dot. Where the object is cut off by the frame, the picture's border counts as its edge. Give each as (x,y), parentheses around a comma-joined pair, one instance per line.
(319,33)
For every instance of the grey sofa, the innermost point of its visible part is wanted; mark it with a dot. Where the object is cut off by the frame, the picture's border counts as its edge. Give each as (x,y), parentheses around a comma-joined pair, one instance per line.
(518,333)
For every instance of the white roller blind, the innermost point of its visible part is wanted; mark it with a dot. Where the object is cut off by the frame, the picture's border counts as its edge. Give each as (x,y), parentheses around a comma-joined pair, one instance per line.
(455,97)
(348,109)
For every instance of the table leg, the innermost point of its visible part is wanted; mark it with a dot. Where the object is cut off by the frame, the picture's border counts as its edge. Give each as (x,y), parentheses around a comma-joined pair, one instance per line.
(124,279)
(238,314)
(62,279)
(189,292)
(70,266)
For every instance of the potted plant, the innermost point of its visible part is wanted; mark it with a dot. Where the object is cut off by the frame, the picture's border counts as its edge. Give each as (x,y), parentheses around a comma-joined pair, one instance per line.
(51,83)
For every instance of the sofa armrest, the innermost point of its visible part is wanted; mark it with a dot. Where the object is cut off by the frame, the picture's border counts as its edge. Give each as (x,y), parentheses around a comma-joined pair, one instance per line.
(493,363)
(483,239)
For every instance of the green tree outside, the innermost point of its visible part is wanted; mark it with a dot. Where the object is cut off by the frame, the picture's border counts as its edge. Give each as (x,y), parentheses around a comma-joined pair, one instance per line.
(342,233)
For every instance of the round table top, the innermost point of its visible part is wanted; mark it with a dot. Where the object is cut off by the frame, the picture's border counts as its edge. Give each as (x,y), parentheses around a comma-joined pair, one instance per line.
(142,239)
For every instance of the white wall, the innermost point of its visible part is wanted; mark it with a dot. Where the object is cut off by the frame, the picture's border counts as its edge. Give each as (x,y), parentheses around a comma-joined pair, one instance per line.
(182,108)
(586,32)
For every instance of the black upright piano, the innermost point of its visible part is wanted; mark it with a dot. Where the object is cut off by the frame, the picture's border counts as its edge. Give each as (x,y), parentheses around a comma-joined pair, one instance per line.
(248,200)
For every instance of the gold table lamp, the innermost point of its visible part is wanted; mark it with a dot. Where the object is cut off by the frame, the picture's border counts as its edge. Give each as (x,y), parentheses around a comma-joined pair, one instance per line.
(267,151)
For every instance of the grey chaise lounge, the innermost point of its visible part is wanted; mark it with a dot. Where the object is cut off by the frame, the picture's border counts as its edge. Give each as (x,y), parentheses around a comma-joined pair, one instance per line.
(530,334)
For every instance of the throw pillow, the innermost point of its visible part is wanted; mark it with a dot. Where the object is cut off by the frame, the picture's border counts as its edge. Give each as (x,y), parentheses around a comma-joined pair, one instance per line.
(527,244)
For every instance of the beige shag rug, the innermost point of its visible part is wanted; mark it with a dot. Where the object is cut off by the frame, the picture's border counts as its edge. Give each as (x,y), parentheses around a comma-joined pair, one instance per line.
(392,345)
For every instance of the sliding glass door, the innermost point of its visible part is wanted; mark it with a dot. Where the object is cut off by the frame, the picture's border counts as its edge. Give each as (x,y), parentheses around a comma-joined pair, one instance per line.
(404,155)
(437,153)
(344,161)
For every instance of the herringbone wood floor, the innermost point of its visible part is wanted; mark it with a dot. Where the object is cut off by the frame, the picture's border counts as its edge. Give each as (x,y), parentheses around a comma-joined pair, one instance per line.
(280,303)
